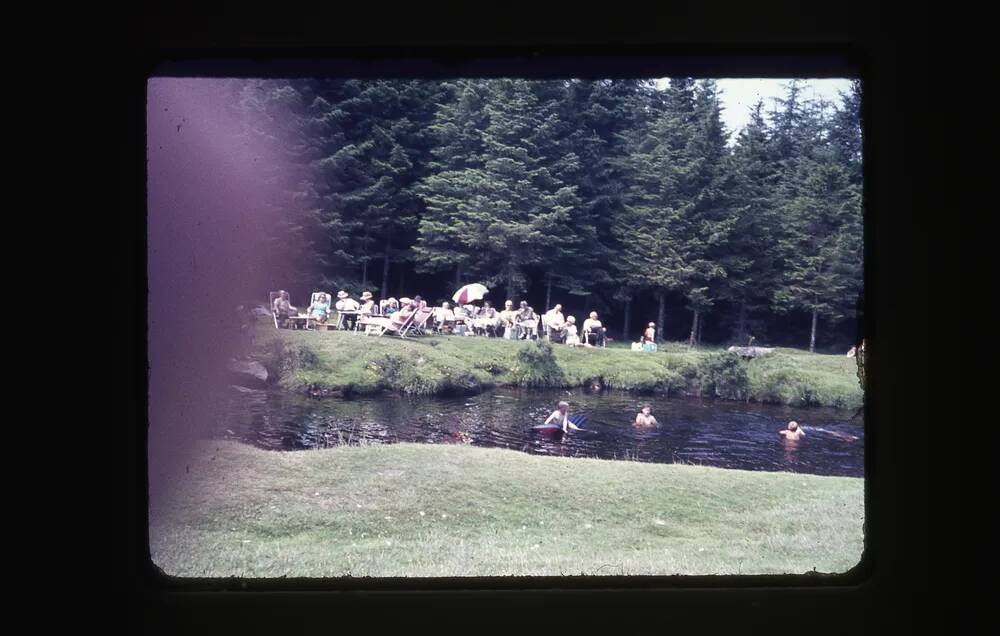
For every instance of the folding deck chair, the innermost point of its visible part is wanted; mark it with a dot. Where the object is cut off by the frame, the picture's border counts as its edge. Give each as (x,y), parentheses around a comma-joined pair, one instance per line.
(387,325)
(418,322)
(292,320)
(310,323)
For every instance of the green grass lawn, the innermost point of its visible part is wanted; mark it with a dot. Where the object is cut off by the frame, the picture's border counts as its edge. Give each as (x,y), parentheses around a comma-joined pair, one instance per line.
(340,362)
(444,511)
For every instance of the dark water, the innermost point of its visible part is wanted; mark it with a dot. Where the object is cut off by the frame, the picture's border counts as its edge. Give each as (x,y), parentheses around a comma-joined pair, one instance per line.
(712,433)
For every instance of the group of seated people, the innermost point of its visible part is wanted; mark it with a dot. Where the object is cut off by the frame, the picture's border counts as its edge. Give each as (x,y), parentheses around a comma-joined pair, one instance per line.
(320,308)
(560,329)
(521,323)
(509,323)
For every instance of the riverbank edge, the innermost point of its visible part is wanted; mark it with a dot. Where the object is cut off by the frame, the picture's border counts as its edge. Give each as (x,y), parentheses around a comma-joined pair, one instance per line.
(415,510)
(332,364)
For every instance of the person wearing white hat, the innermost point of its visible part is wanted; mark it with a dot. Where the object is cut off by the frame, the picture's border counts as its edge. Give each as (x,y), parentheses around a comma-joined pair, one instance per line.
(347,307)
(572,339)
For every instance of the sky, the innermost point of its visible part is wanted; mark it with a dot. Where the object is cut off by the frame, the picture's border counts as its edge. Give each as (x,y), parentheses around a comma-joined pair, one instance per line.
(740,95)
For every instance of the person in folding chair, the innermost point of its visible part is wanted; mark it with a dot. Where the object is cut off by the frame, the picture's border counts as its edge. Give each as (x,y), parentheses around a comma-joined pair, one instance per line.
(527,322)
(347,309)
(388,306)
(571,337)
(593,329)
(367,304)
(555,324)
(319,310)
(283,309)
(392,322)
(444,318)
(487,320)
(508,321)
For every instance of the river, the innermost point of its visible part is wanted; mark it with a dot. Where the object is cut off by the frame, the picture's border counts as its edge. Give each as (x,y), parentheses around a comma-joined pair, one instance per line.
(705,432)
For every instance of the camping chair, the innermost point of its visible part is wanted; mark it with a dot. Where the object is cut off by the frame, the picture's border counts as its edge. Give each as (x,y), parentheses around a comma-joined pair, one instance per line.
(527,332)
(271,297)
(398,329)
(329,299)
(418,322)
(587,335)
(292,320)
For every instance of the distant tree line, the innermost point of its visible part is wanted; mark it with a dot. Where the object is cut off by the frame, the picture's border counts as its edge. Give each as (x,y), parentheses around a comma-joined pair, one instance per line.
(605,193)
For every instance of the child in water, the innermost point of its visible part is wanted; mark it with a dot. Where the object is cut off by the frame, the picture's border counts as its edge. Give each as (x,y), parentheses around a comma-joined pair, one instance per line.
(793,433)
(561,416)
(645,417)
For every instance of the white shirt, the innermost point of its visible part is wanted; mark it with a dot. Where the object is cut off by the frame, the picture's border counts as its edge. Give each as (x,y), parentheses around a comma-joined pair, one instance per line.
(591,323)
(554,318)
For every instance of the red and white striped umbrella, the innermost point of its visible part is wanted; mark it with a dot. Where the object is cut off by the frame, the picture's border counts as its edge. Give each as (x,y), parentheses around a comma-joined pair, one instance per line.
(469,293)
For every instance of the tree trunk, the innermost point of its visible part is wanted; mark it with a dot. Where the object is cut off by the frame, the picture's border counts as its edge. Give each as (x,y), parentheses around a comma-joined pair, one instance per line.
(458,276)
(741,325)
(661,316)
(812,336)
(364,262)
(510,282)
(385,266)
(548,293)
(701,323)
(628,312)
(402,280)
(694,329)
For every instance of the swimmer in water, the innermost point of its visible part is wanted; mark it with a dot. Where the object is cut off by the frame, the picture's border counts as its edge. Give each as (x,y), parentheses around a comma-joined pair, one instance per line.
(793,433)
(561,416)
(645,417)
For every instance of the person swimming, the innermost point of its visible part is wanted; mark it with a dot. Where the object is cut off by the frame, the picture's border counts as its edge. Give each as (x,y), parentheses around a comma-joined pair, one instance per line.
(793,433)
(645,417)
(561,417)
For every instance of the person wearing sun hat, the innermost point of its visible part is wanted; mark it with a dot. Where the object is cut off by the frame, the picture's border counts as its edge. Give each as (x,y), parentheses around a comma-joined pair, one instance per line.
(347,307)
(571,336)
(367,303)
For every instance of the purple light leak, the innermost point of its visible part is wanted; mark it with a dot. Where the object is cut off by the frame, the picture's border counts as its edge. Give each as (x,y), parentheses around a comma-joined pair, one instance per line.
(207,187)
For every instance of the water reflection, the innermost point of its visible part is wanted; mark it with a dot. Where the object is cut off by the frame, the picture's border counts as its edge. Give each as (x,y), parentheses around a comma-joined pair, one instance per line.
(690,431)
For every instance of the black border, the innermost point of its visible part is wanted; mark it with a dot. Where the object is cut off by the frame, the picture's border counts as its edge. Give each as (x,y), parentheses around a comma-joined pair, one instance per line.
(872,588)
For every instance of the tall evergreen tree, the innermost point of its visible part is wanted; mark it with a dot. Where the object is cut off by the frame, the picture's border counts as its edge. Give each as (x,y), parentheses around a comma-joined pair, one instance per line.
(456,169)
(821,241)
(752,275)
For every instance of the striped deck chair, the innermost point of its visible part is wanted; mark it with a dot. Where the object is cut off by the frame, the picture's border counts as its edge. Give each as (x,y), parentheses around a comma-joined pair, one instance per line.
(394,327)
(418,323)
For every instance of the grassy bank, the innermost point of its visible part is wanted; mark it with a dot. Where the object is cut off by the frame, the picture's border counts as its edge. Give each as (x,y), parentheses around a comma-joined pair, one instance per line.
(432,510)
(337,363)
